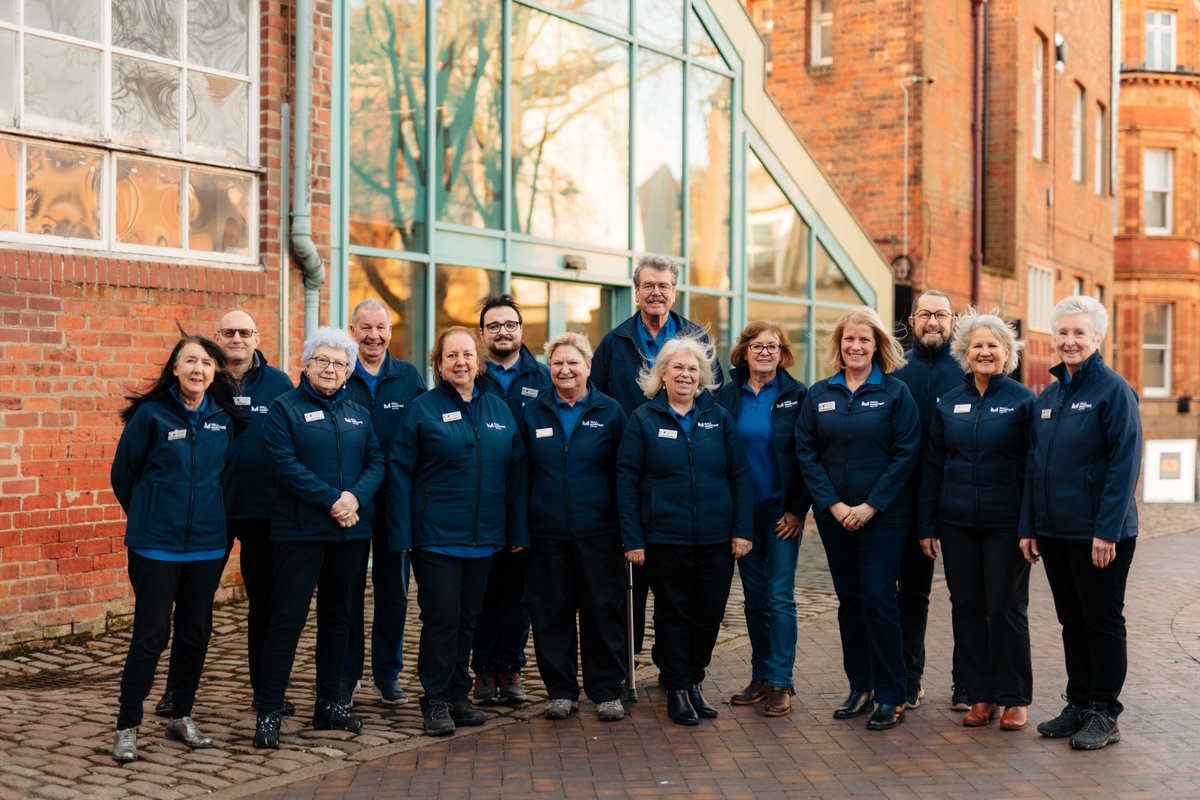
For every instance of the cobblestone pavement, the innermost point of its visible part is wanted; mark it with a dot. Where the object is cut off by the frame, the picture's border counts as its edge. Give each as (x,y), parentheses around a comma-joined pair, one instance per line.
(57,710)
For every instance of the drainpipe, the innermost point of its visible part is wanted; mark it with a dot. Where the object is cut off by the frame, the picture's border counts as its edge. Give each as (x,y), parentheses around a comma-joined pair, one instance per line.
(911,80)
(301,235)
(978,9)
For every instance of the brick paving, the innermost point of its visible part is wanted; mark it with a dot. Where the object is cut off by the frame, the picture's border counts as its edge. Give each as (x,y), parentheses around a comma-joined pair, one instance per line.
(57,710)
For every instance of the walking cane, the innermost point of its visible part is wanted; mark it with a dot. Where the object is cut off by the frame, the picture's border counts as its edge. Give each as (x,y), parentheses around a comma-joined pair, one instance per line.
(631,677)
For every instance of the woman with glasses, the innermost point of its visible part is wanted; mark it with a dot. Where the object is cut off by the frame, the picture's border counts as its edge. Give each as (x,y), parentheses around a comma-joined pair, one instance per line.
(326,465)
(764,400)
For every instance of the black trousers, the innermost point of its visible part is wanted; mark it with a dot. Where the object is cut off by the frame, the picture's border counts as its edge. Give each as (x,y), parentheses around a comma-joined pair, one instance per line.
(584,576)
(502,630)
(989,597)
(1090,603)
(691,586)
(641,596)
(188,586)
(912,597)
(331,568)
(449,593)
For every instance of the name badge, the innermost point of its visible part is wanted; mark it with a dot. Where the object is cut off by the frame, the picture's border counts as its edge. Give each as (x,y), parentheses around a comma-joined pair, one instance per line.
(829,406)
(542,433)
(528,392)
(241,400)
(451,416)
(179,434)
(1046,412)
(962,408)
(668,433)
(313,416)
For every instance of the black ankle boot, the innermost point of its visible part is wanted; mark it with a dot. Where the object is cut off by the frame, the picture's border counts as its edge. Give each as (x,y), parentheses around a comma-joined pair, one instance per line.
(703,709)
(679,708)
(856,703)
(329,715)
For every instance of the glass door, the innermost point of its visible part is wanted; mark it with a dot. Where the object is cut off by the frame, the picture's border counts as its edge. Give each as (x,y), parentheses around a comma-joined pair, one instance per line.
(551,307)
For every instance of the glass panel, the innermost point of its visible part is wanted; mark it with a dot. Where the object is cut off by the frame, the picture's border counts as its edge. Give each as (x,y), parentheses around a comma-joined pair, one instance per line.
(1156,322)
(458,292)
(148,26)
(609,12)
(8,78)
(832,285)
(533,296)
(1154,368)
(794,320)
(218,117)
(658,126)
(570,141)
(62,192)
(401,287)
(1156,210)
(218,34)
(8,10)
(589,310)
(776,236)
(148,206)
(10,155)
(71,17)
(386,104)
(470,106)
(219,209)
(62,87)
(709,175)
(826,319)
(661,22)
(700,44)
(712,314)
(145,103)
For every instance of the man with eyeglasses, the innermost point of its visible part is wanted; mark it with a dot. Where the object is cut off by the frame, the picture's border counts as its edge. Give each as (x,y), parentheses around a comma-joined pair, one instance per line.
(247,488)
(930,372)
(622,353)
(502,629)
(385,385)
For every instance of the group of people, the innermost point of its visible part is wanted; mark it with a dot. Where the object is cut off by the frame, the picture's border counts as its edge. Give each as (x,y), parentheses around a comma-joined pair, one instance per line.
(518,493)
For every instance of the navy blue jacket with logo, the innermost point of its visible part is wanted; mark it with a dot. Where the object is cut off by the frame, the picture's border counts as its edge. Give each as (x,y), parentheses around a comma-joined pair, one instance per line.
(317,447)
(619,359)
(572,486)
(248,486)
(531,382)
(456,475)
(929,374)
(681,490)
(796,498)
(861,448)
(167,476)
(1085,453)
(975,452)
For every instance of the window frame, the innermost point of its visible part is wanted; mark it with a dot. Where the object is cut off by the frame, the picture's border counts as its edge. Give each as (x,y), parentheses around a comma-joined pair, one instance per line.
(1038,146)
(1039,291)
(818,22)
(1100,156)
(1167,189)
(1079,135)
(1158,58)
(1163,390)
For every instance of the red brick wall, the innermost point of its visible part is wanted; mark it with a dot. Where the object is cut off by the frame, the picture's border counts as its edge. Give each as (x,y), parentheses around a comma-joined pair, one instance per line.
(79,331)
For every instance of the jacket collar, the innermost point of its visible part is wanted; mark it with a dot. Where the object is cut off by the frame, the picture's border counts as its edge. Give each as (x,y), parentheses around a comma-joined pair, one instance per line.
(341,394)
(930,354)
(787,383)
(703,402)
(994,383)
(1092,363)
(526,363)
(628,328)
(549,398)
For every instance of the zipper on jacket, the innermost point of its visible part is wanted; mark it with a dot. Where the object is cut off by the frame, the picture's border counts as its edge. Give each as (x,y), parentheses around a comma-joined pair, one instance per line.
(565,452)
(1057,418)
(478,474)
(695,497)
(975,459)
(337,450)
(191,486)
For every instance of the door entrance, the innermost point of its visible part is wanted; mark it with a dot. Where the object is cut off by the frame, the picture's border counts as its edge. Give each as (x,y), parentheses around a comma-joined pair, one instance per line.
(551,307)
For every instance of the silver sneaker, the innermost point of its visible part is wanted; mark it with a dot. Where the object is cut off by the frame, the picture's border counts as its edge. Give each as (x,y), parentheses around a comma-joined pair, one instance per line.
(184,730)
(560,709)
(125,746)
(611,711)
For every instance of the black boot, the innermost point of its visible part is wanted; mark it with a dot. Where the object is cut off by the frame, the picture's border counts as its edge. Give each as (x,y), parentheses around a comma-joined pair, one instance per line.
(329,715)
(855,704)
(886,717)
(703,709)
(266,729)
(1067,723)
(679,708)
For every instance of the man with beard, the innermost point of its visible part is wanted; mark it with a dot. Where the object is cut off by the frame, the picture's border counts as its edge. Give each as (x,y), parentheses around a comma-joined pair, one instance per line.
(930,372)
(502,630)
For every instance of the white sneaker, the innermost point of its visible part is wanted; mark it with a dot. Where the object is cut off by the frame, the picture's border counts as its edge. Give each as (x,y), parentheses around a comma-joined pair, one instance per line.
(125,746)
(560,709)
(611,711)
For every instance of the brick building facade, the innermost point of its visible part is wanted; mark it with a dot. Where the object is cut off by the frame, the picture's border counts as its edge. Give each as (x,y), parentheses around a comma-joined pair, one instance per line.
(842,72)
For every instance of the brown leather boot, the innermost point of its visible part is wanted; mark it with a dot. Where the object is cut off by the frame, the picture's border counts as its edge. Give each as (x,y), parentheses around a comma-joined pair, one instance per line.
(779,701)
(979,715)
(755,692)
(1014,718)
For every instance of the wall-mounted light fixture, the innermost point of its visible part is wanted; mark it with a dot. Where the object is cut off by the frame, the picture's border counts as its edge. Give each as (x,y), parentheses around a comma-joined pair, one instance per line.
(1060,52)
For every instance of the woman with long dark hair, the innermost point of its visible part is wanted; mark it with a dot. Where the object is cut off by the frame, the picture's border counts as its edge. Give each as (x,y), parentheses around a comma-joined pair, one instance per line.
(167,476)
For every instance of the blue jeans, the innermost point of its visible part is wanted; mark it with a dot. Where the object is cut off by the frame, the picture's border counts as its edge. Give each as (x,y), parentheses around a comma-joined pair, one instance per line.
(390,576)
(769,584)
(865,565)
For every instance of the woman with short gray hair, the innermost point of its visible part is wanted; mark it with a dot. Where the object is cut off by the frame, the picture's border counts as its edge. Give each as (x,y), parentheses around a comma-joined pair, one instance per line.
(685,501)
(971,486)
(326,464)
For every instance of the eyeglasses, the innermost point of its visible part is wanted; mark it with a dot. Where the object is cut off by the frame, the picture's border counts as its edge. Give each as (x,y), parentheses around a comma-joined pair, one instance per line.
(940,316)
(771,349)
(510,326)
(324,363)
(660,287)
(229,333)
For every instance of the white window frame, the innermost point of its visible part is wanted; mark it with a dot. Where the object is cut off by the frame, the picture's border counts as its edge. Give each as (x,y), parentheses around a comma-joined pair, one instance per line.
(1078,135)
(1163,390)
(820,21)
(64,136)
(1165,187)
(1038,147)
(1039,292)
(1160,40)
(1100,157)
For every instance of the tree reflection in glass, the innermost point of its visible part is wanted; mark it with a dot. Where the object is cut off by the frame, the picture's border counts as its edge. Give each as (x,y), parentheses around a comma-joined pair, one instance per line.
(709,176)
(62,192)
(658,170)
(776,236)
(10,153)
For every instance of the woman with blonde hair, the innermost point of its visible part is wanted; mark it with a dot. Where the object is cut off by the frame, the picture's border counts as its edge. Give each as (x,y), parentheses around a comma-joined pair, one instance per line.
(857,440)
